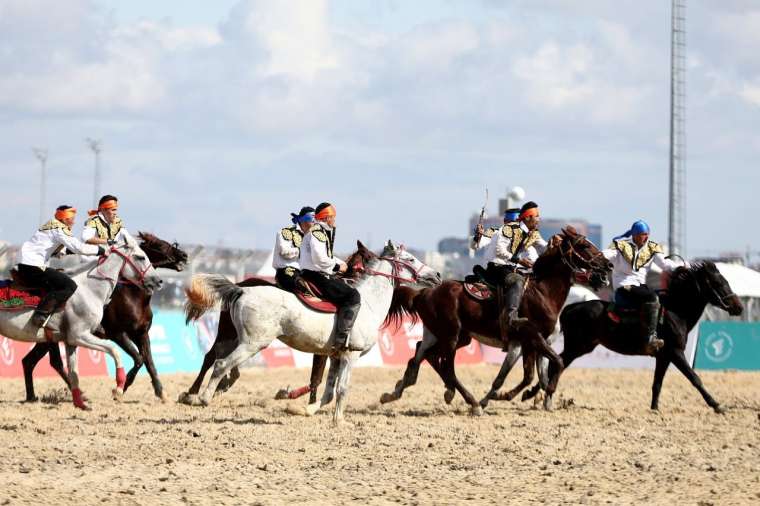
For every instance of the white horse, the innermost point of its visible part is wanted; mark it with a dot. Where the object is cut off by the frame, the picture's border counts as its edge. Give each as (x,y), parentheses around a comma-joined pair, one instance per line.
(83,312)
(263,314)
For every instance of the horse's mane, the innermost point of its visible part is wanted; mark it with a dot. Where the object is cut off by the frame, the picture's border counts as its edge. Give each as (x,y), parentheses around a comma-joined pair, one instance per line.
(687,275)
(402,305)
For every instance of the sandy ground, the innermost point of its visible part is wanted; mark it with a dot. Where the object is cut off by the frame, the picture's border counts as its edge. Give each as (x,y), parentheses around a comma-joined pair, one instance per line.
(604,447)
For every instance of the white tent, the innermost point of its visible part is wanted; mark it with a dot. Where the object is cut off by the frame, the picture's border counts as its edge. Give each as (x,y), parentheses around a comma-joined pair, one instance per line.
(744,281)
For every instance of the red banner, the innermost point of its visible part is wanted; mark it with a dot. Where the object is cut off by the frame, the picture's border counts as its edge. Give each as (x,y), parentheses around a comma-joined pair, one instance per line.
(91,363)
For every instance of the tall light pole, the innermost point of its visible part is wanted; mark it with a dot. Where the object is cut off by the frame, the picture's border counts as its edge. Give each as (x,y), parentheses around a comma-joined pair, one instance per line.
(96,146)
(677,180)
(42,156)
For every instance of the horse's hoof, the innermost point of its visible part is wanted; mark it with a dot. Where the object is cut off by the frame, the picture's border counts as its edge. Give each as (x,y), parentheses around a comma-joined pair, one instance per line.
(32,399)
(311,409)
(282,394)
(719,409)
(484,402)
(117,394)
(476,410)
(548,403)
(163,398)
(184,398)
(387,397)
(448,396)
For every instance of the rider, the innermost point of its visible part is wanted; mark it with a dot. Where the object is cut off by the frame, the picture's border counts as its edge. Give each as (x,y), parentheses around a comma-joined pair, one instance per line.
(288,247)
(633,255)
(49,240)
(482,238)
(514,251)
(320,266)
(104,227)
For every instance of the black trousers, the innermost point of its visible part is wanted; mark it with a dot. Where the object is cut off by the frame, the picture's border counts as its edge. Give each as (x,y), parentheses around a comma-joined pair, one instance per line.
(333,289)
(59,286)
(633,297)
(286,278)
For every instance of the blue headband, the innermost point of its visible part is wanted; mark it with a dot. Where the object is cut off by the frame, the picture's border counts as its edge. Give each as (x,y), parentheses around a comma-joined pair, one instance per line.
(511,216)
(306,218)
(638,227)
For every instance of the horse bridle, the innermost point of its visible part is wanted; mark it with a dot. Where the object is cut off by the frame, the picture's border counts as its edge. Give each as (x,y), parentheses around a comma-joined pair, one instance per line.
(127,261)
(170,260)
(574,254)
(396,266)
(721,299)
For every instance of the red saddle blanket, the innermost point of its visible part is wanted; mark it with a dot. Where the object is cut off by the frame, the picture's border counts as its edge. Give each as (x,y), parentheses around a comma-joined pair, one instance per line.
(11,298)
(478,291)
(310,300)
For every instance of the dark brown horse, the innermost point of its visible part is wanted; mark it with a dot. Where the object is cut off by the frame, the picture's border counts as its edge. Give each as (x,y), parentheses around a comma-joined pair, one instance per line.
(126,321)
(587,324)
(451,318)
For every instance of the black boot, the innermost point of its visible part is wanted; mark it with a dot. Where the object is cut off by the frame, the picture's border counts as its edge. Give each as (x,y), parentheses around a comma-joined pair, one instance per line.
(345,322)
(650,314)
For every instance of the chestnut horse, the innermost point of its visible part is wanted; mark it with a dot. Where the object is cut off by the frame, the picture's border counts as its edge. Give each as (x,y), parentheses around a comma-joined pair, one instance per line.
(126,321)
(451,318)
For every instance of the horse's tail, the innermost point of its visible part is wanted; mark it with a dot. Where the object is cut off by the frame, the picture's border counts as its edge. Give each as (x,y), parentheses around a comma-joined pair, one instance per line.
(402,304)
(205,291)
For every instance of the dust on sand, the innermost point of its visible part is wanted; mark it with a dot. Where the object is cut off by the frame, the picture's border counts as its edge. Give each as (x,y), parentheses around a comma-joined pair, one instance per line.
(603,446)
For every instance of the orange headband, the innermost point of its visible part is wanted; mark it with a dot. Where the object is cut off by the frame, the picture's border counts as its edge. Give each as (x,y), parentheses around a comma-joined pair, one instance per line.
(108,204)
(533,211)
(325,213)
(66,213)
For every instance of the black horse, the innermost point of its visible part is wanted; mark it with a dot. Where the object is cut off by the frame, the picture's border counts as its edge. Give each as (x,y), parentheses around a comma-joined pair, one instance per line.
(126,321)
(588,324)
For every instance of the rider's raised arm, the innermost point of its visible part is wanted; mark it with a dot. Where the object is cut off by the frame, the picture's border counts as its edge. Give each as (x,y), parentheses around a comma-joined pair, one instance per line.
(73,244)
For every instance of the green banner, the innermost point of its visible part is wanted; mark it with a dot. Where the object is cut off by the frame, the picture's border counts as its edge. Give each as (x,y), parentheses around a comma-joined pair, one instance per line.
(728,345)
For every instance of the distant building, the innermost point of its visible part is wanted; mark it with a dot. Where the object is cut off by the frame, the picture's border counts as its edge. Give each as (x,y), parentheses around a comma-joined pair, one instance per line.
(454,245)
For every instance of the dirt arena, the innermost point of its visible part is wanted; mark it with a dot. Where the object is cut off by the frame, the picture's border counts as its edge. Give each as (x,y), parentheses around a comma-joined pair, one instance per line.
(603,446)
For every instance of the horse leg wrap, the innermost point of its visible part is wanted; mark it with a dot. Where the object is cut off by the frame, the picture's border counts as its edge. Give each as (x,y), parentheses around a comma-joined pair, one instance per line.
(298,392)
(121,377)
(76,395)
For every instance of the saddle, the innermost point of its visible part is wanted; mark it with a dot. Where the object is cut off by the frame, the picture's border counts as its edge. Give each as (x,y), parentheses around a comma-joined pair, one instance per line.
(307,293)
(15,295)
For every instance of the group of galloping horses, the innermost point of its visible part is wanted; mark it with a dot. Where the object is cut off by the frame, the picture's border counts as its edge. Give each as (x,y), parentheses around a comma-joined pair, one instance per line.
(395,285)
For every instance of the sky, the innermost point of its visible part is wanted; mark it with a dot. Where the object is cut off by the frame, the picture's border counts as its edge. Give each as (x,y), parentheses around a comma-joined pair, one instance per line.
(220,118)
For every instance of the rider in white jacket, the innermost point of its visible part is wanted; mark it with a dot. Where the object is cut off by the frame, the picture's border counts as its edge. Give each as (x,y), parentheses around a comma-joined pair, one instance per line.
(633,255)
(50,239)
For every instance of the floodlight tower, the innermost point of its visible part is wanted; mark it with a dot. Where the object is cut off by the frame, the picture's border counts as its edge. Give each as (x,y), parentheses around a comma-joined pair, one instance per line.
(96,146)
(677,197)
(42,156)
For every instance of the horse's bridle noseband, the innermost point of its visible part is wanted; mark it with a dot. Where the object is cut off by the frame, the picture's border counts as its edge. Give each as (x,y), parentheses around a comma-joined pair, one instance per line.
(397,265)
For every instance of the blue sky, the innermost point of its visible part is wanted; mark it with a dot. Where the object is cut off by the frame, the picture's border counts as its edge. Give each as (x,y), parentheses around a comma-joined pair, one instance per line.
(220,118)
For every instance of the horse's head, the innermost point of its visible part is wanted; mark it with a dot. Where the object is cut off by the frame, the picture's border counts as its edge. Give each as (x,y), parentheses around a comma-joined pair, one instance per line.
(406,269)
(137,267)
(712,286)
(426,275)
(162,253)
(580,254)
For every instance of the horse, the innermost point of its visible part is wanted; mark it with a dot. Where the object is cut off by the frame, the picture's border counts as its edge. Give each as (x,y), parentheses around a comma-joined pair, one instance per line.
(452,317)
(262,314)
(96,281)
(226,336)
(587,324)
(126,321)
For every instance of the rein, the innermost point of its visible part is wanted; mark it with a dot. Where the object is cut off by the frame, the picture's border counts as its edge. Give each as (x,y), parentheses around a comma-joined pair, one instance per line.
(127,261)
(395,275)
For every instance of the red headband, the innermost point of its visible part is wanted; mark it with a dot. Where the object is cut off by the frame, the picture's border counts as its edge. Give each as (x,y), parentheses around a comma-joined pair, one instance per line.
(65,213)
(108,204)
(325,213)
(533,211)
